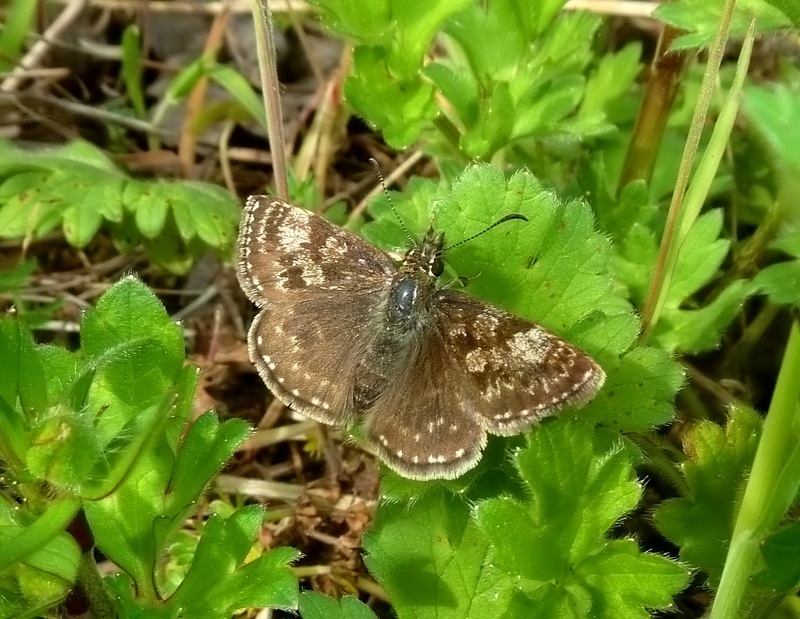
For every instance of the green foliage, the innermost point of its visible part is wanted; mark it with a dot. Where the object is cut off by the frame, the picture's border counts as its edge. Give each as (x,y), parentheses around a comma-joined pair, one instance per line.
(314,605)
(700,18)
(539,553)
(77,188)
(18,19)
(686,325)
(716,471)
(780,282)
(107,429)
(780,551)
(533,81)
(552,269)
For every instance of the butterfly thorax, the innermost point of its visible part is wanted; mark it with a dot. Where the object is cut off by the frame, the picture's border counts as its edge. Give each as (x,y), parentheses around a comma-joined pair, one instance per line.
(407,313)
(413,286)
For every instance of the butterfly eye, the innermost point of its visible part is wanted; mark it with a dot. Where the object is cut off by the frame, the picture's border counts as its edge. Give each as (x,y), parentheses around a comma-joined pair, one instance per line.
(437,266)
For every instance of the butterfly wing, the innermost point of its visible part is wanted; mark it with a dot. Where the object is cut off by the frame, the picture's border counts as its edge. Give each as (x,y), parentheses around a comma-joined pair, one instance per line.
(423,425)
(518,371)
(286,252)
(317,285)
(475,370)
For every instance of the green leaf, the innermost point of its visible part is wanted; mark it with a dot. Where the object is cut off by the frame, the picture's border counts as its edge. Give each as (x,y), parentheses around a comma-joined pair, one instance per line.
(780,551)
(700,330)
(774,113)
(216,585)
(701,523)
(432,560)
(638,393)
(206,447)
(41,539)
(143,348)
(399,106)
(239,88)
(701,19)
(81,223)
(314,605)
(77,187)
(44,563)
(18,22)
(560,557)
(700,257)
(613,77)
(393,38)
(780,282)
(529,82)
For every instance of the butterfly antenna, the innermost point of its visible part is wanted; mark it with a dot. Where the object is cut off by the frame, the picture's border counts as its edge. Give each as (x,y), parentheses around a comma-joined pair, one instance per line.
(494,225)
(389,197)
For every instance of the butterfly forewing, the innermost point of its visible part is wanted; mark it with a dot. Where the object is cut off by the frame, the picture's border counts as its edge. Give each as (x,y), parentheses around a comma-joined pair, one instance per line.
(286,251)
(519,371)
(315,282)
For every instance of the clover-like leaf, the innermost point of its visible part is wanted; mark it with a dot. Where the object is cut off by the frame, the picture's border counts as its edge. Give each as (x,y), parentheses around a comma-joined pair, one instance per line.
(560,557)
(701,523)
(77,187)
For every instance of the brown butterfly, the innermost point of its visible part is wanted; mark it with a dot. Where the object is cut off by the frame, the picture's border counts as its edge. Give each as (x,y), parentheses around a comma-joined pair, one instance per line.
(345,335)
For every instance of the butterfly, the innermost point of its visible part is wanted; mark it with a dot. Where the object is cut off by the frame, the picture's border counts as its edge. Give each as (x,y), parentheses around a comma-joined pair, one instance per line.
(345,335)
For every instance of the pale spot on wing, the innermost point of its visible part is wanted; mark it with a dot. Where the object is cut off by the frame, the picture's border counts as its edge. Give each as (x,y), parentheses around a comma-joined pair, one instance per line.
(293,233)
(531,346)
(476,361)
(333,248)
(312,275)
(486,323)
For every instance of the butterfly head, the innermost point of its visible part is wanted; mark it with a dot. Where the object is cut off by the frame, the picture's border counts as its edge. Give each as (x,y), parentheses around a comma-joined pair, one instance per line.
(426,258)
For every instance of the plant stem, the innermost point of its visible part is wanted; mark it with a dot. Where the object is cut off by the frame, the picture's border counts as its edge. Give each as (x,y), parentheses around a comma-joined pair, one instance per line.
(662,86)
(92,585)
(762,505)
(657,283)
(270,90)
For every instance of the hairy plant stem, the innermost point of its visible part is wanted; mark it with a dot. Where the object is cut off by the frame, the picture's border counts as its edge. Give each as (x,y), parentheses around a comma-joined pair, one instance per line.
(770,487)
